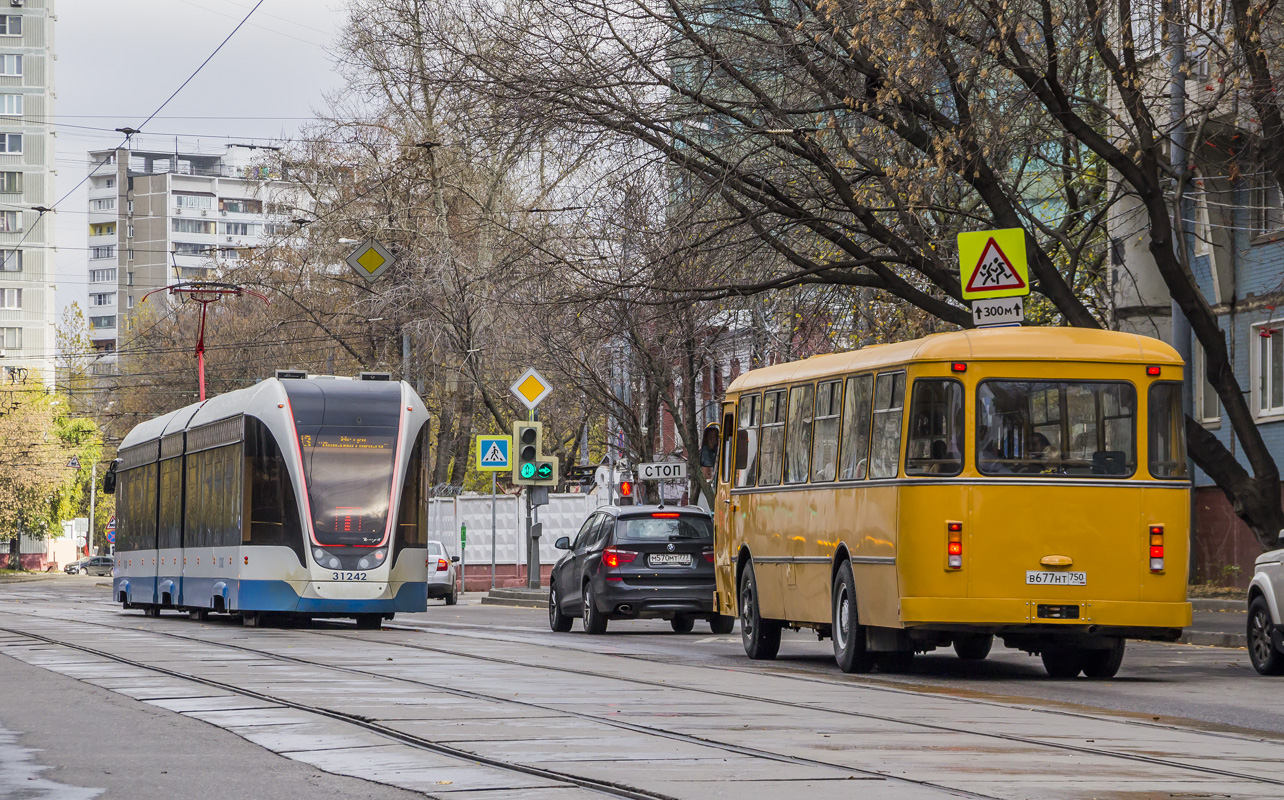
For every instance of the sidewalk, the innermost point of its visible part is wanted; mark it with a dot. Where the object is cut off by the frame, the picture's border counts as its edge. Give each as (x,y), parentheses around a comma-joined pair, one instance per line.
(1217,623)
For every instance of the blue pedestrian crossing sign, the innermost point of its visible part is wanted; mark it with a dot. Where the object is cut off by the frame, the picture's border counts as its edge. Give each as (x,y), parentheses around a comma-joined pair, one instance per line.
(493,453)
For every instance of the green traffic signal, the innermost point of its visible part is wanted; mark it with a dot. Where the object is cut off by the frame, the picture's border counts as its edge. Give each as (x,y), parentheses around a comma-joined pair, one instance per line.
(544,470)
(528,470)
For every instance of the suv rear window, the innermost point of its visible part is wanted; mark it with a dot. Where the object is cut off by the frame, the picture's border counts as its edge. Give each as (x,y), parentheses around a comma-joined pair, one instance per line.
(663,529)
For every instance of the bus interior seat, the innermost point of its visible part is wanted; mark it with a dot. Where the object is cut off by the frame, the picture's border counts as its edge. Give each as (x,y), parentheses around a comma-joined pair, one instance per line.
(1109,462)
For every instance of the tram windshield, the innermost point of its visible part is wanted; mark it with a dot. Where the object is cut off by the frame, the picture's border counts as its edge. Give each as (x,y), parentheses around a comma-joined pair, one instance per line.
(349,473)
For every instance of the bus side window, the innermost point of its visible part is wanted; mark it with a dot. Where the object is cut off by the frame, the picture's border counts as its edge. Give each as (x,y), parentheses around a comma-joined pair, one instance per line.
(747,441)
(824,453)
(854,454)
(889,394)
(935,444)
(798,438)
(728,441)
(773,438)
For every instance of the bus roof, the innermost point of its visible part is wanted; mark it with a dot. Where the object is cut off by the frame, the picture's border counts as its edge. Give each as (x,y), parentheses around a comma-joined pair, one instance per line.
(995,344)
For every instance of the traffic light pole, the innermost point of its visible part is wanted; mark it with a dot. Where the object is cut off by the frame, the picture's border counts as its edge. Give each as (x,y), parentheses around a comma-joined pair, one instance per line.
(532,539)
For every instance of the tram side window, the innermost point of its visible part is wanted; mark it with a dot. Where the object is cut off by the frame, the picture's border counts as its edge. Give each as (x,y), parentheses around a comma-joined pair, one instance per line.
(1056,428)
(935,444)
(773,438)
(824,451)
(885,450)
(1166,441)
(171,503)
(214,506)
(747,441)
(125,488)
(798,439)
(412,523)
(858,402)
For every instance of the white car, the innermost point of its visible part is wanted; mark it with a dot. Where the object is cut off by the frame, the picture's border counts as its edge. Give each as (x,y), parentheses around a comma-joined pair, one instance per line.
(1265,601)
(442,573)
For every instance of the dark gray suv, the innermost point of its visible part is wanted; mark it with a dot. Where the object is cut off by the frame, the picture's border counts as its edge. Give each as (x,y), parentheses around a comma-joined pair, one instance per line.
(637,562)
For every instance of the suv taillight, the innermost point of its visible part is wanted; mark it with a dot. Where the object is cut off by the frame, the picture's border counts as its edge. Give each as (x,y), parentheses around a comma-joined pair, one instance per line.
(613,558)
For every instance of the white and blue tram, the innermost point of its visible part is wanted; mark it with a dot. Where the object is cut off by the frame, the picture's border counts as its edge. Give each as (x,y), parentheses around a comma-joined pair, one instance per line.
(301,495)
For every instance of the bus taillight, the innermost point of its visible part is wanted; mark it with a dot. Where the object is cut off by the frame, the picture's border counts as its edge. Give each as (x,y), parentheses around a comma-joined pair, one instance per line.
(1156,548)
(954,545)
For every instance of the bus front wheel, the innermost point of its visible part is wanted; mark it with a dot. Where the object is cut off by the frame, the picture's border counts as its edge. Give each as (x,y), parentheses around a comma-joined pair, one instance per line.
(847,632)
(761,636)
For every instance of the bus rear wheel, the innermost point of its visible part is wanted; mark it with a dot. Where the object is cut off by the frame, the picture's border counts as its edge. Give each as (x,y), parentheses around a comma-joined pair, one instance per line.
(1062,664)
(720,623)
(847,632)
(1100,664)
(761,637)
(973,646)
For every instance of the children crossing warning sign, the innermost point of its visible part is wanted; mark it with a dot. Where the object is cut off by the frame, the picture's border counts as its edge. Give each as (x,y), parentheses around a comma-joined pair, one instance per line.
(992,264)
(493,453)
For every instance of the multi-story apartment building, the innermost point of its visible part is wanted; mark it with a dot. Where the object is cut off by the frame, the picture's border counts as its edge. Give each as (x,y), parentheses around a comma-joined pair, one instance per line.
(27,308)
(158,217)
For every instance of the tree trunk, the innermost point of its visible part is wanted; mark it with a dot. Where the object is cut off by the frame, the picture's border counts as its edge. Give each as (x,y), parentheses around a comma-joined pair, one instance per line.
(445,430)
(463,436)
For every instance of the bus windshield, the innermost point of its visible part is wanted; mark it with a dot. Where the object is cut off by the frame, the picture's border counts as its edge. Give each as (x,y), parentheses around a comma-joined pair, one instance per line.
(349,476)
(1056,428)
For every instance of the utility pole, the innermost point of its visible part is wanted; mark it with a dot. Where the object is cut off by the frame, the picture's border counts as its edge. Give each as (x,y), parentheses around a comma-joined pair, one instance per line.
(93,500)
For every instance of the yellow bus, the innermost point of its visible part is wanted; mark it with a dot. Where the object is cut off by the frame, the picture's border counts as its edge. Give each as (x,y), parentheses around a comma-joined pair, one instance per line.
(1024,483)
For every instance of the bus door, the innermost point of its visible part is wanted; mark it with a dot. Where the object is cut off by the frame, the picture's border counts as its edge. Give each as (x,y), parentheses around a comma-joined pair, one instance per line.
(1055,515)
(724,556)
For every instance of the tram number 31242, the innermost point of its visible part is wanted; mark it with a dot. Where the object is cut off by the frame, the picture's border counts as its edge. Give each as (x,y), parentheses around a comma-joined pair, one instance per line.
(348,576)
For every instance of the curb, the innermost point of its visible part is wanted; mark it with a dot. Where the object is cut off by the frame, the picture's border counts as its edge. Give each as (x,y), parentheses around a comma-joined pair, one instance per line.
(1201,604)
(513,602)
(1208,639)
(518,597)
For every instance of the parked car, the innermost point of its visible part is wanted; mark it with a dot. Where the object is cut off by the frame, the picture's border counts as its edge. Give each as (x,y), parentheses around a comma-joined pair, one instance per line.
(1265,602)
(442,573)
(97,565)
(637,562)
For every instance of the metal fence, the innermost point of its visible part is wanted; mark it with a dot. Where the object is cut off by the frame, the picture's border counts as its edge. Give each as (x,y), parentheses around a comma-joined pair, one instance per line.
(563,516)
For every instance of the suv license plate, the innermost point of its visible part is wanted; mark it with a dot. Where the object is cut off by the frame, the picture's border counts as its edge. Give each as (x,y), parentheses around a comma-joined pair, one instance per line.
(669,559)
(1036,577)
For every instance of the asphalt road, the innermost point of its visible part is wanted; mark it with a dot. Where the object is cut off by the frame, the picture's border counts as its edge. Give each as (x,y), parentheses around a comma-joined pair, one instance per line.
(481,701)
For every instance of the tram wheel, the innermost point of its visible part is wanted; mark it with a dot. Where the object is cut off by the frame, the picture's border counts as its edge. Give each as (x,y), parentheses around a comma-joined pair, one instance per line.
(198,614)
(1261,649)
(1062,664)
(1103,663)
(973,646)
(558,619)
(251,619)
(761,637)
(369,622)
(721,623)
(151,611)
(682,624)
(847,632)
(594,620)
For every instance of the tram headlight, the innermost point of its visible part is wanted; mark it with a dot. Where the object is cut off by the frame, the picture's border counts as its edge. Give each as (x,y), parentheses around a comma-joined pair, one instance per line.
(364,563)
(319,555)
(333,563)
(379,556)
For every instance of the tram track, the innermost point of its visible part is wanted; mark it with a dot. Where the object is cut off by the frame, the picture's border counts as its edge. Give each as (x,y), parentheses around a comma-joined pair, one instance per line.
(604,787)
(673,735)
(1195,726)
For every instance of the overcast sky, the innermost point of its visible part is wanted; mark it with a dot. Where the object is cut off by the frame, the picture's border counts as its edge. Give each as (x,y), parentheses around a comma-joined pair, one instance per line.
(117,61)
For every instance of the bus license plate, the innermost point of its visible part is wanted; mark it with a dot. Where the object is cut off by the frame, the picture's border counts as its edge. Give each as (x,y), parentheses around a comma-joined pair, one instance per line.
(669,559)
(1036,577)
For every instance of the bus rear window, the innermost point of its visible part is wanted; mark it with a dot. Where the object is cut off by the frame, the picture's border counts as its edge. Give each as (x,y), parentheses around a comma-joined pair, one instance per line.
(1058,429)
(663,529)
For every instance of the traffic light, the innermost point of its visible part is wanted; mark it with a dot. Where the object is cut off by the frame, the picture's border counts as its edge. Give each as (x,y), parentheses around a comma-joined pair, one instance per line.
(530,466)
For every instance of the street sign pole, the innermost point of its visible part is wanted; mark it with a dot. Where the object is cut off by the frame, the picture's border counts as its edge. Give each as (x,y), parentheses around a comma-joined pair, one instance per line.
(93,500)
(492,531)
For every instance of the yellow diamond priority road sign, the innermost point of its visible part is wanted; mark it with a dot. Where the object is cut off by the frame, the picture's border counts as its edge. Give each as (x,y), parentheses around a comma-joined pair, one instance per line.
(992,264)
(370,260)
(531,388)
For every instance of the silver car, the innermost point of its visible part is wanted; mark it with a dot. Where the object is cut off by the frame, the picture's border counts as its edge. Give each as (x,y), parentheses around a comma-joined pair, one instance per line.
(442,573)
(1265,604)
